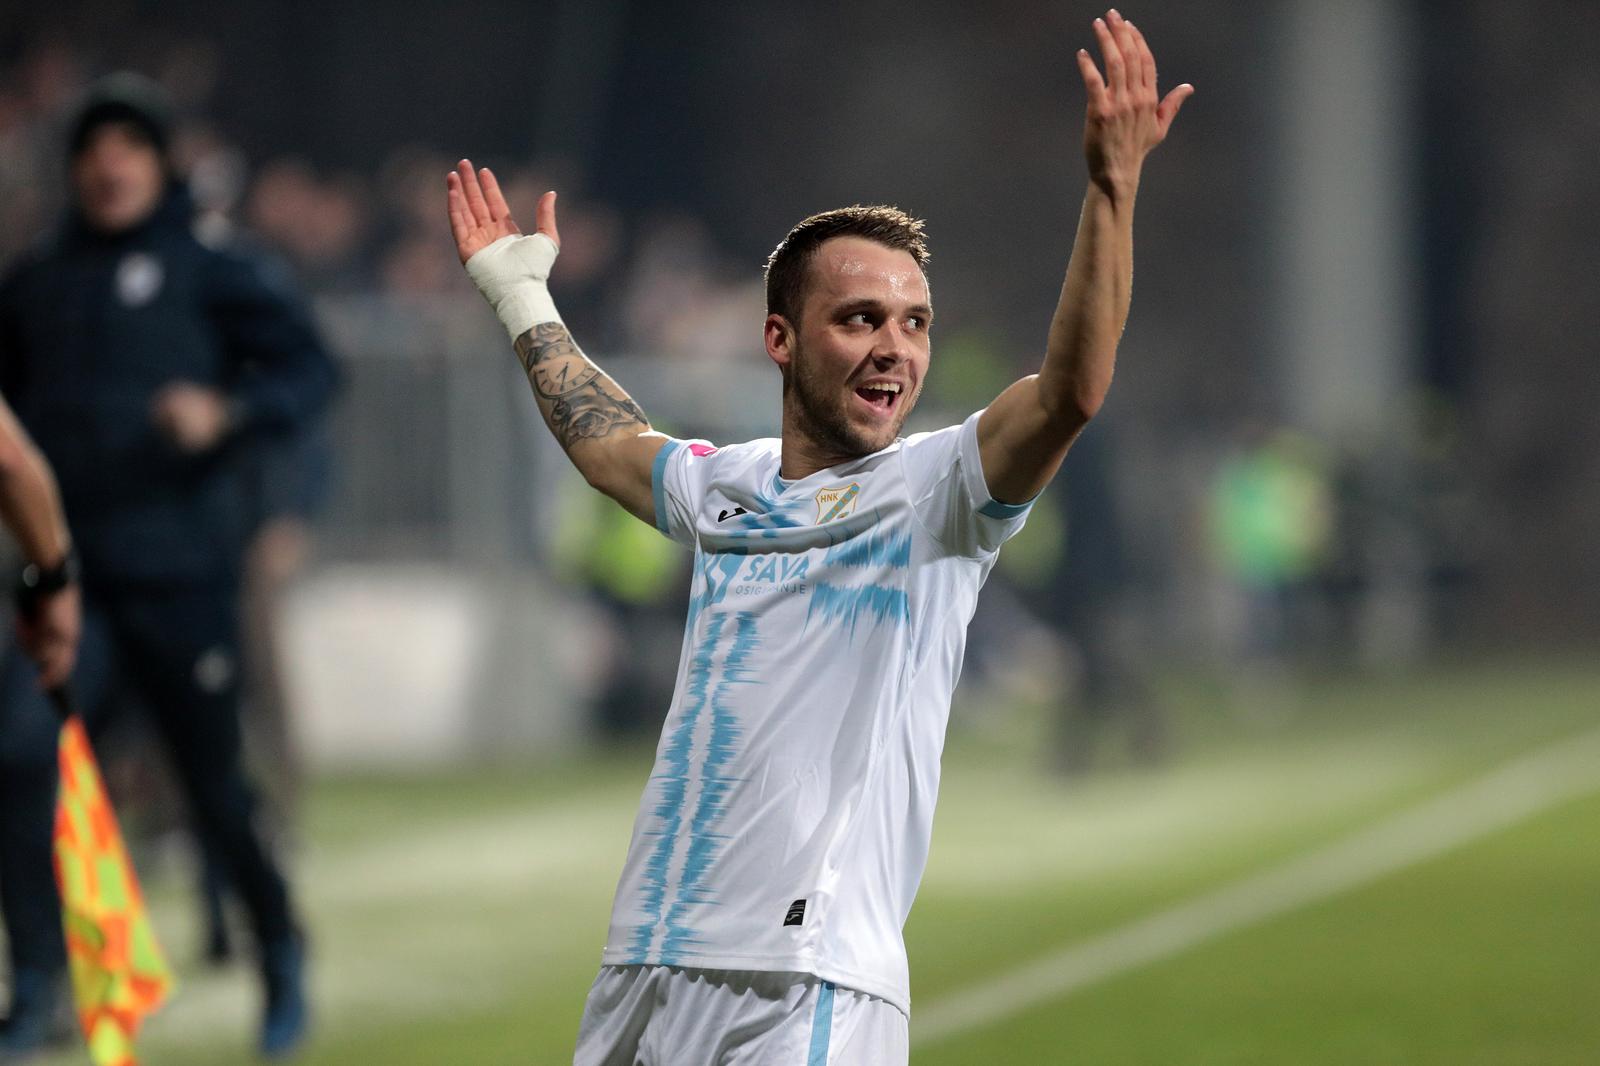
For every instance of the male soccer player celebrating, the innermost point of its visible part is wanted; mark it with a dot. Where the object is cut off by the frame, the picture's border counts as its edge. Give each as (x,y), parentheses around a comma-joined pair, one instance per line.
(785,828)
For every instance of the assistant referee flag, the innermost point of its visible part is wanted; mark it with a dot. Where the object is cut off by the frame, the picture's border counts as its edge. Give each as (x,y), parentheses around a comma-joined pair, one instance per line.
(118,973)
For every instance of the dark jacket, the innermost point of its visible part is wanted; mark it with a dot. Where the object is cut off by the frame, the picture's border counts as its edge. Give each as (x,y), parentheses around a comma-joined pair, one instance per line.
(92,327)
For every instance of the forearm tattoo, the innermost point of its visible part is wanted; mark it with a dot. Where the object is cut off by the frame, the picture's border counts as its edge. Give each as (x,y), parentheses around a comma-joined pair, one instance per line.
(580,402)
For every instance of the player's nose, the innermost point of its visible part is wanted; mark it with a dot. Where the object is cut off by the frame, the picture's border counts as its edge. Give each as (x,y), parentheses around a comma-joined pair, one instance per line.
(890,345)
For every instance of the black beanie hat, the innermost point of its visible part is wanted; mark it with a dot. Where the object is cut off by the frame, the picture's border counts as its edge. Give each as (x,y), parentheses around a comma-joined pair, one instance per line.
(123,97)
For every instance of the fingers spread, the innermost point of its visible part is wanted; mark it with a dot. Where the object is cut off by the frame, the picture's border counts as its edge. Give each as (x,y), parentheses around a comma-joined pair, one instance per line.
(1147,59)
(492,196)
(1116,79)
(473,192)
(1129,51)
(1167,110)
(456,205)
(544,217)
(1092,82)
(1129,47)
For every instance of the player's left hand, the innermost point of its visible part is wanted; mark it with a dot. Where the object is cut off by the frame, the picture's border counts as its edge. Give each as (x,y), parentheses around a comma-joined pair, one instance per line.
(1125,118)
(194,417)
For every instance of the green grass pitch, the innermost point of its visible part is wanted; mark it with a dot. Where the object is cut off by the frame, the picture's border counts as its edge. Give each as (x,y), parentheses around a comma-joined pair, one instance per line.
(459,918)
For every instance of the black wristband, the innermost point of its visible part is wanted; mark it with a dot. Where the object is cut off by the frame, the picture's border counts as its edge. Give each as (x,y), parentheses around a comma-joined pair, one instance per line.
(34,582)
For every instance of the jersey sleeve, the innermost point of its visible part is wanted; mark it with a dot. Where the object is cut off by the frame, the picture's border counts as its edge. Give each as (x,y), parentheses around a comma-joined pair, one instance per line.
(678,480)
(952,500)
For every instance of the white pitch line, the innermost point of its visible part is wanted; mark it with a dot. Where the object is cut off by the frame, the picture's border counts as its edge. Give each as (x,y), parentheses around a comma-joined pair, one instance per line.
(1516,791)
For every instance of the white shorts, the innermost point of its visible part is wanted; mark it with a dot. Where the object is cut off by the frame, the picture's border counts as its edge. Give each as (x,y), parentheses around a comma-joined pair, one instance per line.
(667,1016)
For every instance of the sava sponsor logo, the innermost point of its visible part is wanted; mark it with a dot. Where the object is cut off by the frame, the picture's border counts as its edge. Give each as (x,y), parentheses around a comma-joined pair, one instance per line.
(773,573)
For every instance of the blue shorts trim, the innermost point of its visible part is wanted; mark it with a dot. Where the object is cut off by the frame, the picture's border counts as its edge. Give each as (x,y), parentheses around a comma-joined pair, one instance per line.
(821,1026)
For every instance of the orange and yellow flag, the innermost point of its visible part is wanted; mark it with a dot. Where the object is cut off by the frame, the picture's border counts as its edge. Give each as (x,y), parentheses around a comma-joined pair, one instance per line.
(118,972)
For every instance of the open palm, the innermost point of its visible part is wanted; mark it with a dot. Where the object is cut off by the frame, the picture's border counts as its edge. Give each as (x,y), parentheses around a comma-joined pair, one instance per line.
(479,215)
(1125,118)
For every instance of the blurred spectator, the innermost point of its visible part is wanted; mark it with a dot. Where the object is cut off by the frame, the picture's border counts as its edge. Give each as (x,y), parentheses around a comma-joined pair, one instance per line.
(643,273)
(638,581)
(41,88)
(1089,598)
(1449,518)
(216,172)
(319,224)
(677,300)
(1270,515)
(49,623)
(288,484)
(145,362)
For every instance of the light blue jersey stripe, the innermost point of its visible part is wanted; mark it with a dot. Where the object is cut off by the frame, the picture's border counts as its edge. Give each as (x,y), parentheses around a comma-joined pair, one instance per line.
(705,844)
(658,485)
(821,1026)
(675,773)
(996,509)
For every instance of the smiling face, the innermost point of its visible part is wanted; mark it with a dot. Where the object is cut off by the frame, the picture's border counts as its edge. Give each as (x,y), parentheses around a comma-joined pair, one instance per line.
(854,365)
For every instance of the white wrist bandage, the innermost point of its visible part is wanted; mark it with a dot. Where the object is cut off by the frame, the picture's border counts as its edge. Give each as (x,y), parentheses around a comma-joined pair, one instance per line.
(511,273)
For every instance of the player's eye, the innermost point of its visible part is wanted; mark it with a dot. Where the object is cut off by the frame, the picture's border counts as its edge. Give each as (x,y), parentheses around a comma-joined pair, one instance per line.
(859,318)
(916,322)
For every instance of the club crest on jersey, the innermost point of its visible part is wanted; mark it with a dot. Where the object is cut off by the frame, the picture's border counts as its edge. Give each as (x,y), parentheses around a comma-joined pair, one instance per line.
(837,502)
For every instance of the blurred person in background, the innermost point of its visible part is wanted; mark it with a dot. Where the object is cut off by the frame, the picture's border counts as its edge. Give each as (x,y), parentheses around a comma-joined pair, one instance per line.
(778,846)
(634,577)
(1087,598)
(320,223)
(49,614)
(145,362)
(41,86)
(1270,519)
(288,479)
(49,621)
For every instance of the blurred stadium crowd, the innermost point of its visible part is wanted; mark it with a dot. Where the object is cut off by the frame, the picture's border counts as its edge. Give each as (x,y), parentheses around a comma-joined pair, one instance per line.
(377,231)
(1206,527)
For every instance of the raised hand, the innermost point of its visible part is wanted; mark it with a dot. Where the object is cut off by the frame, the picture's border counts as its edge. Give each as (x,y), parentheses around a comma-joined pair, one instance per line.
(1125,119)
(479,215)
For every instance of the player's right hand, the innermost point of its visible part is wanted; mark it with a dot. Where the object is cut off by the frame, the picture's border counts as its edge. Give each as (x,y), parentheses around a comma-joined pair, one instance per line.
(1125,118)
(479,215)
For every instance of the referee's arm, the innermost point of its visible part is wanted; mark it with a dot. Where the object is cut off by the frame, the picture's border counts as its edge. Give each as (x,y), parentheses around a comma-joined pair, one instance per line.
(1026,431)
(30,505)
(597,424)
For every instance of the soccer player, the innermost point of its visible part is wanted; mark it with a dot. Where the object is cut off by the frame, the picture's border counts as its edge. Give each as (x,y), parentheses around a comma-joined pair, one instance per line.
(785,828)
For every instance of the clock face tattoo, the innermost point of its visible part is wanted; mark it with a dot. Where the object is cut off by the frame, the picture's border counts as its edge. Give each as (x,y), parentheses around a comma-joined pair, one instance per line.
(582,402)
(559,376)
(554,364)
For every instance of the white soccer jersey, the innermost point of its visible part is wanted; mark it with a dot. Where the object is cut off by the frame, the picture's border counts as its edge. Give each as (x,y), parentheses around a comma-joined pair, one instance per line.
(787,820)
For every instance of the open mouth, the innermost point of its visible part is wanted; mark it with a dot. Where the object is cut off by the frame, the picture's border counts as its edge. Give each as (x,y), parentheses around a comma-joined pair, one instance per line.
(881,396)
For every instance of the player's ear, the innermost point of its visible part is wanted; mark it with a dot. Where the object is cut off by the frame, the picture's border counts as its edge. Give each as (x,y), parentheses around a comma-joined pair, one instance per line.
(780,337)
